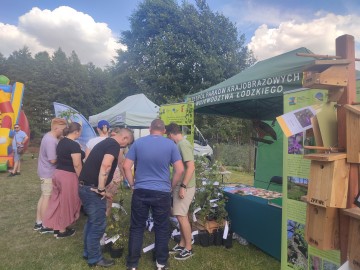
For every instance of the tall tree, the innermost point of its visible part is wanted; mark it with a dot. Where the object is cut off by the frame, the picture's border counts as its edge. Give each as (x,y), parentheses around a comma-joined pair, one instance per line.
(38,95)
(174,50)
(55,78)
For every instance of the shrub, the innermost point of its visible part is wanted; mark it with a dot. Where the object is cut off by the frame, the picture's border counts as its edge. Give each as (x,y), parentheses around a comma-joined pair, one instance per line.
(241,156)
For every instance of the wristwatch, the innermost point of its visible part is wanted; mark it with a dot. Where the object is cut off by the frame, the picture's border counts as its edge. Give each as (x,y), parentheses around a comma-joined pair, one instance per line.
(101,190)
(183,186)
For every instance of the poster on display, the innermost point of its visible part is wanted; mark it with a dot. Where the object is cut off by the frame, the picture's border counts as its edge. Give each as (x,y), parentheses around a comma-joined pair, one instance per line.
(295,251)
(181,114)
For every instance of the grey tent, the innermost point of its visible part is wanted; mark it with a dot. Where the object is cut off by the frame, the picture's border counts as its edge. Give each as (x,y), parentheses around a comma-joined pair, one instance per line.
(135,111)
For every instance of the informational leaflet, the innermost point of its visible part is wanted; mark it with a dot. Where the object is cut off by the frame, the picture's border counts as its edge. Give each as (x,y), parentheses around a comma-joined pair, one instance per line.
(296,121)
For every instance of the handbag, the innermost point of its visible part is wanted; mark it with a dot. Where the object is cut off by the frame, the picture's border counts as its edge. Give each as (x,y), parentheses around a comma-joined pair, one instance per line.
(20,150)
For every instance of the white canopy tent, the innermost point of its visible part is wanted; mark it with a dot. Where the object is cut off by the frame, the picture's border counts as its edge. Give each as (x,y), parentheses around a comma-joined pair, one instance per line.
(135,111)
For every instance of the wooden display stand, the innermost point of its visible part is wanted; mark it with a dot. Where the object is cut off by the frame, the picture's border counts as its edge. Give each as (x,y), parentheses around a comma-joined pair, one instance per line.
(328,185)
(339,77)
(354,237)
(326,73)
(352,133)
(322,227)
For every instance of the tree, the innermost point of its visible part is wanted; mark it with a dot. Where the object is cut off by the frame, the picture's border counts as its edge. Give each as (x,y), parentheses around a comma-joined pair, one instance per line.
(174,50)
(55,78)
(38,94)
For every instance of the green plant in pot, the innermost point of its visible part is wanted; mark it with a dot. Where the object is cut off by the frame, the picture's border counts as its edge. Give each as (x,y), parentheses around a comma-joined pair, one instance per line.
(117,248)
(117,226)
(209,194)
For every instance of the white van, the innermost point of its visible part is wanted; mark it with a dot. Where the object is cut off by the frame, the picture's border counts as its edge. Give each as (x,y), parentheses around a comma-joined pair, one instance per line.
(201,146)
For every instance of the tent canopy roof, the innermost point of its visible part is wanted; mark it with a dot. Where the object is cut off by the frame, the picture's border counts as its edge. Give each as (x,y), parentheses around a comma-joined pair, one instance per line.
(135,111)
(257,92)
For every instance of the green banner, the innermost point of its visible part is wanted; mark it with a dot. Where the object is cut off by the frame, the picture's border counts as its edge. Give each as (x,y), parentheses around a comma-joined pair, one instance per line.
(295,251)
(181,114)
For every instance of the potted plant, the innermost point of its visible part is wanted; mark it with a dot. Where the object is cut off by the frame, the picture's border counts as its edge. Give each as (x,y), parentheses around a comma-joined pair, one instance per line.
(117,247)
(117,228)
(210,198)
(209,194)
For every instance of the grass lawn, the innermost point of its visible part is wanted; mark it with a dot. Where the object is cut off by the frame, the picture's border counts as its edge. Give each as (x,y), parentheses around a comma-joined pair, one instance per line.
(239,177)
(23,248)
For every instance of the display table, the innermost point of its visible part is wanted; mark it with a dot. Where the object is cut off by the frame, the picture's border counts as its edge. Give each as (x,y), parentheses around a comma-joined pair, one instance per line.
(255,220)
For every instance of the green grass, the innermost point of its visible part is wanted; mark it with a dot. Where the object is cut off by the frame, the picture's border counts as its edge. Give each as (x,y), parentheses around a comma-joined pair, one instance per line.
(23,248)
(239,177)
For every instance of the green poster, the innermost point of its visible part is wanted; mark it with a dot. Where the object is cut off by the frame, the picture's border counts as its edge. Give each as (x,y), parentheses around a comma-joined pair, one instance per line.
(295,251)
(181,114)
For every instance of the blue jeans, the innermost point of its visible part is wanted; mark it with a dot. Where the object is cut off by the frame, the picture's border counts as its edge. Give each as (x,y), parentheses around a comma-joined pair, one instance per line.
(95,208)
(160,203)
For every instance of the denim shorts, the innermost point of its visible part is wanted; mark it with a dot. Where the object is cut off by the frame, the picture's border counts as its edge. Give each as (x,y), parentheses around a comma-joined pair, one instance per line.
(16,155)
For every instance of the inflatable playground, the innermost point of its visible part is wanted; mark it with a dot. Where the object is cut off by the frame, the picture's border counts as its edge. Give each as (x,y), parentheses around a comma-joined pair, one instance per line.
(10,114)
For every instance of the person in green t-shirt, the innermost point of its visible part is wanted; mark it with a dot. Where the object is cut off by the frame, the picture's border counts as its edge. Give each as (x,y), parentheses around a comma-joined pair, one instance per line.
(183,194)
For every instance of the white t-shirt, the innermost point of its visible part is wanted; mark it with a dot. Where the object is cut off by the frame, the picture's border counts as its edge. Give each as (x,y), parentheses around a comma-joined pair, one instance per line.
(94,141)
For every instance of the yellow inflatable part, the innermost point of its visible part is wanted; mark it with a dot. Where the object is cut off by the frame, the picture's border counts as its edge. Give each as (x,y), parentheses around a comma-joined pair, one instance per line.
(4,96)
(16,101)
(5,141)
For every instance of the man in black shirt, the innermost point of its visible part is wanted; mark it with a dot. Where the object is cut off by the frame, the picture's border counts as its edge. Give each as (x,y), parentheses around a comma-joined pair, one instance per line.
(96,173)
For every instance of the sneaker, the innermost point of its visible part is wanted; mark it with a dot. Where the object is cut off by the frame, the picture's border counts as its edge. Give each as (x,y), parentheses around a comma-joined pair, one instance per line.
(17,173)
(176,249)
(11,174)
(162,267)
(37,226)
(184,255)
(67,233)
(103,262)
(46,230)
(56,232)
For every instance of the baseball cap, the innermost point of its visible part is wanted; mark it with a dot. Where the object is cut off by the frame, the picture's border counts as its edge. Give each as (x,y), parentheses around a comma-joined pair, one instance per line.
(103,123)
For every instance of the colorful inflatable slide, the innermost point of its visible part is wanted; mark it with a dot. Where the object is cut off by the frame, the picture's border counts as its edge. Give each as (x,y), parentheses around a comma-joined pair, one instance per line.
(10,114)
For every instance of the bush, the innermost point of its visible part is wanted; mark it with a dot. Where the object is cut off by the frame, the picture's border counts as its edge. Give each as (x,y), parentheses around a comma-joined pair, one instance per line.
(240,156)
(207,190)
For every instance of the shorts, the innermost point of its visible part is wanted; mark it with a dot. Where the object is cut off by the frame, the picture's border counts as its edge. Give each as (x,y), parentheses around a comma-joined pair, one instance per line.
(181,206)
(46,186)
(16,155)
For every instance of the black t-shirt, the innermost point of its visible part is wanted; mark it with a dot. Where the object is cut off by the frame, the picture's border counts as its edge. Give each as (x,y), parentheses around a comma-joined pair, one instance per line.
(90,171)
(64,149)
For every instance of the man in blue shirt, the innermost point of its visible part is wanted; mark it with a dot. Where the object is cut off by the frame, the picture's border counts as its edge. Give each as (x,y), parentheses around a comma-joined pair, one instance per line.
(152,156)
(19,140)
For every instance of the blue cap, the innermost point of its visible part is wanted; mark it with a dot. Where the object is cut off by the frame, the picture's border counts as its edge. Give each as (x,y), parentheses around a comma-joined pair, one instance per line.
(103,123)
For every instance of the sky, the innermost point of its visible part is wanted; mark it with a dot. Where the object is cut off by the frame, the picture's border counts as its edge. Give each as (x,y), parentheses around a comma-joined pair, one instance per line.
(92,28)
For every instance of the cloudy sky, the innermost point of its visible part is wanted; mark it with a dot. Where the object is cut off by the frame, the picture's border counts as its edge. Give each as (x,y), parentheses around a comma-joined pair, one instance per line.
(91,28)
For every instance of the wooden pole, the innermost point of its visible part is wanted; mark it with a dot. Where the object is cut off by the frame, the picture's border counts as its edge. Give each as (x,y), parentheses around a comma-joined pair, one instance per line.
(345,48)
